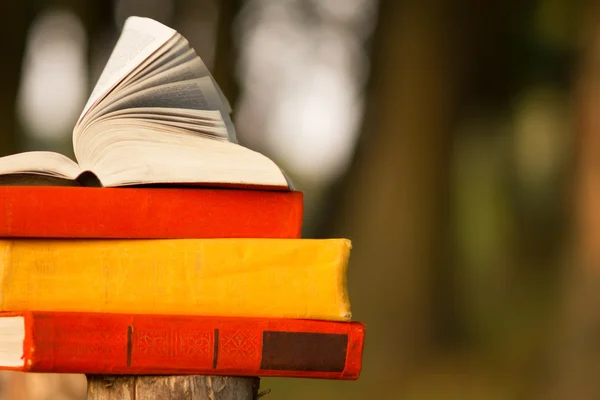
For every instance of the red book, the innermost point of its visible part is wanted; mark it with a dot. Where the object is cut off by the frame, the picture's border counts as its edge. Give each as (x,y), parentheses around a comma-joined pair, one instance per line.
(98,343)
(148,213)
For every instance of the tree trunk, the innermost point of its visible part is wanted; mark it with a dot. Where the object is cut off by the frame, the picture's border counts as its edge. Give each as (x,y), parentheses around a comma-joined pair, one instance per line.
(18,16)
(577,362)
(225,50)
(394,200)
(194,387)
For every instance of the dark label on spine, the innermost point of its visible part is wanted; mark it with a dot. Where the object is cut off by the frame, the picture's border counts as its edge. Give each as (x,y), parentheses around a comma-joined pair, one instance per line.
(304,351)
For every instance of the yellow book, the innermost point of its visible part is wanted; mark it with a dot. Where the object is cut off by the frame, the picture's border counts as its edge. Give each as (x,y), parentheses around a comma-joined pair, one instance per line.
(277,278)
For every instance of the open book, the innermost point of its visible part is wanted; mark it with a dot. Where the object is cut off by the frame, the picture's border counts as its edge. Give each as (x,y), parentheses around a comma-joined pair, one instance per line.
(155,116)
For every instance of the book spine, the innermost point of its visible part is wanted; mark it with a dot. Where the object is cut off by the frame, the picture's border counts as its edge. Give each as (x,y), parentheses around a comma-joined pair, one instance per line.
(122,213)
(156,345)
(277,278)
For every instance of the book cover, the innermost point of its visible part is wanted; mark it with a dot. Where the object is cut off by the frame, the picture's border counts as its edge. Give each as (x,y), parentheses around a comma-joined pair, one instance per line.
(278,278)
(156,345)
(148,213)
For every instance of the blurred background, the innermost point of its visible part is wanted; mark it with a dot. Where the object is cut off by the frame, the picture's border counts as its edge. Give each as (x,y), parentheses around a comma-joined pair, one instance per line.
(456,143)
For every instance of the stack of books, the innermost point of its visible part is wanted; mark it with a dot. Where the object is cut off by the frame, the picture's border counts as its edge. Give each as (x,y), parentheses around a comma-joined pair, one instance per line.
(167,248)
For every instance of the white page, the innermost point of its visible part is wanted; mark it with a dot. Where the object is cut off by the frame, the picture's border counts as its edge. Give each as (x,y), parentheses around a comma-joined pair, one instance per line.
(139,39)
(208,161)
(151,63)
(180,59)
(176,55)
(183,72)
(41,162)
(193,130)
(136,126)
(195,68)
(196,94)
(196,124)
(196,116)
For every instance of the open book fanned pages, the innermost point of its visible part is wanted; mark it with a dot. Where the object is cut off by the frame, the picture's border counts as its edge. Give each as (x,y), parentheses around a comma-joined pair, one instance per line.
(155,116)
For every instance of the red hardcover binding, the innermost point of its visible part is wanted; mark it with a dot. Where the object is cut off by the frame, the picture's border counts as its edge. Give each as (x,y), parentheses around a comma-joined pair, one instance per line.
(156,345)
(148,213)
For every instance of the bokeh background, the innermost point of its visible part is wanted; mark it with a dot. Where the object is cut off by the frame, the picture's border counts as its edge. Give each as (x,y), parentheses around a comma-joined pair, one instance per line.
(455,142)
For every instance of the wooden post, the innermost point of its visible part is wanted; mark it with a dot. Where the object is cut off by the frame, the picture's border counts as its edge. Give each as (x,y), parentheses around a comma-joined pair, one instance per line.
(196,387)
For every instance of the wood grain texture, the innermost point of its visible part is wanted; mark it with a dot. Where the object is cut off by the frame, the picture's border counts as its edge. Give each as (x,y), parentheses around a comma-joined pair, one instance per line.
(180,387)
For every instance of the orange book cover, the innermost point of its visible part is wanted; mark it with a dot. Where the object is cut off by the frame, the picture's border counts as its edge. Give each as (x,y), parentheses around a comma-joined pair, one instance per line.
(100,343)
(268,278)
(148,213)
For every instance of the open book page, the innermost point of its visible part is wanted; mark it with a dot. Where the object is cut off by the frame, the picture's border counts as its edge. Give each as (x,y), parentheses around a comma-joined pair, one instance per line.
(136,121)
(231,133)
(188,70)
(173,53)
(183,160)
(144,68)
(184,72)
(31,179)
(211,132)
(186,66)
(116,92)
(202,117)
(137,134)
(166,119)
(227,108)
(40,163)
(190,58)
(101,135)
(188,55)
(196,94)
(139,39)
(173,59)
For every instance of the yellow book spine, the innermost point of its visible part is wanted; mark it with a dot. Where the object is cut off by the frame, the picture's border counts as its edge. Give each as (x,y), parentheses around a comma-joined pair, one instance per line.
(276,278)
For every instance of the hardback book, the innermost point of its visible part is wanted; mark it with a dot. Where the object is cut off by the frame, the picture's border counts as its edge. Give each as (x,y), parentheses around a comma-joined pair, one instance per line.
(270,278)
(148,213)
(155,116)
(97,343)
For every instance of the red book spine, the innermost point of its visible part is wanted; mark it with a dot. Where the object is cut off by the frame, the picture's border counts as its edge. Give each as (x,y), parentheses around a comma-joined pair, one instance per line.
(156,345)
(144,213)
